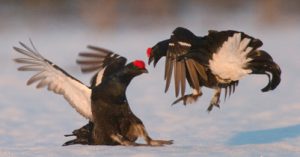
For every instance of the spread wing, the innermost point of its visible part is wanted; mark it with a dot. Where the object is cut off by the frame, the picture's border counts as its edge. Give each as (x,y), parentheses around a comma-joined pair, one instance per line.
(55,79)
(180,44)
(104,61)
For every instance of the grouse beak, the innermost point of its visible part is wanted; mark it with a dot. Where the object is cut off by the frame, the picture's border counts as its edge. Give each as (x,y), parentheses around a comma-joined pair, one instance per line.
(145,71)
(149,55)
(150,60)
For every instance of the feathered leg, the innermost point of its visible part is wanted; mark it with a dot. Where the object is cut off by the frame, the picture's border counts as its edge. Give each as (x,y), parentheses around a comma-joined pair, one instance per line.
(122,140)
(138,130)
(215,100)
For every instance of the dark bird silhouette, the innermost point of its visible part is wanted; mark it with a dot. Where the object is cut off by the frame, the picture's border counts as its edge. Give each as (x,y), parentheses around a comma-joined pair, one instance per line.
(104,104)
(218,61)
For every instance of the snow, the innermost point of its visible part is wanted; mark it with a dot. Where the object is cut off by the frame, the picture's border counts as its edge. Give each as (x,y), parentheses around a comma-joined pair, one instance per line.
(249,123)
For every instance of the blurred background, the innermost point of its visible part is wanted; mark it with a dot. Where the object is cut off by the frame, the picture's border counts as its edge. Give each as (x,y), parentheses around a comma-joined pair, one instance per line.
(62,28)
(141,14)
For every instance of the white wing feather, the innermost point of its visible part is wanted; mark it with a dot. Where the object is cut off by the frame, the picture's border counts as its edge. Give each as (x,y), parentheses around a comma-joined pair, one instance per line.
(77,94)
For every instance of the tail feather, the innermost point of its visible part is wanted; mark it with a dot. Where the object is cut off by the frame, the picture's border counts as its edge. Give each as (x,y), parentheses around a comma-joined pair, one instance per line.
(260,55)
(262,63)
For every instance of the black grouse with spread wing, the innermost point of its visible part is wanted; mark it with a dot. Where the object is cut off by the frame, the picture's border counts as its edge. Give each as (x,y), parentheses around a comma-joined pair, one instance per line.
(104,104)
(218,60)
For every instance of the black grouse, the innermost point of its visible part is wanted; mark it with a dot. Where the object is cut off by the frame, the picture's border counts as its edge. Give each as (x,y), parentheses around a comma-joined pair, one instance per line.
(218,60)
(104,104)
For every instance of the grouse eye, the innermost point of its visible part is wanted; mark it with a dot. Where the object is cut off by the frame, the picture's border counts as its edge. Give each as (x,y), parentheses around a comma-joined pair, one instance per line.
(149,50)
(139,64)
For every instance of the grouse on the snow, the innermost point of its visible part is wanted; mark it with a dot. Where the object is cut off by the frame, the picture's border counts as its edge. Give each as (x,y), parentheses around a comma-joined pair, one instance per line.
(104,104)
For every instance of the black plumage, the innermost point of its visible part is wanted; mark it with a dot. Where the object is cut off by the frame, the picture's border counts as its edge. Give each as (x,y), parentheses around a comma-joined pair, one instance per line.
(114,122)
(83,135)
(104,103)
(198,60)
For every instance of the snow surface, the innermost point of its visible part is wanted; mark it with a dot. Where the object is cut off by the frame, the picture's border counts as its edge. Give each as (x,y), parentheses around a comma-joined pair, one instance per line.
(249,123)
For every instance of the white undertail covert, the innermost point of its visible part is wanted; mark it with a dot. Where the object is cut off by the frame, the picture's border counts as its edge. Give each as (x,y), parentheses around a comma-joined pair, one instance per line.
(230,60)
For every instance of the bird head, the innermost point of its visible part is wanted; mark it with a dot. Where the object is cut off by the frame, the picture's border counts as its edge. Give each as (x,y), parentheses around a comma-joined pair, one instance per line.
(157,52)
(150,55)
(154,54)
(137,67)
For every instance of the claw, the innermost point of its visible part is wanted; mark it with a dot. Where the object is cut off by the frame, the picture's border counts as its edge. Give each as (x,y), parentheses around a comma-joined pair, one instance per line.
(187,99)
(180,99)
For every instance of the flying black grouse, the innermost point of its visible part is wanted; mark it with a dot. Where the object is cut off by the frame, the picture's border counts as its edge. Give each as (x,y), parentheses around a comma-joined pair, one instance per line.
(104,104)
(218,60)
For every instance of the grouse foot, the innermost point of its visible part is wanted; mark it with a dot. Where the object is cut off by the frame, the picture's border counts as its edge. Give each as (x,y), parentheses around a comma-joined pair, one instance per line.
(160,142)
(188,99)
(83,135)
(215,101)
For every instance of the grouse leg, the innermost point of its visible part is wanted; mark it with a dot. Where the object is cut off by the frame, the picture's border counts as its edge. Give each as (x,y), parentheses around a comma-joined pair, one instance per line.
(190,98)
(122,141)
(215,100)
(142,132)
(138,130)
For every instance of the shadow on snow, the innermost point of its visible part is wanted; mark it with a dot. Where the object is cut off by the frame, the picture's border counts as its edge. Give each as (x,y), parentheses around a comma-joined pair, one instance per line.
(265,136)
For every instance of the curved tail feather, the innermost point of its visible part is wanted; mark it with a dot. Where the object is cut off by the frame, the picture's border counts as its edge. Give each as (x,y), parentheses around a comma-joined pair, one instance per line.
(262,63)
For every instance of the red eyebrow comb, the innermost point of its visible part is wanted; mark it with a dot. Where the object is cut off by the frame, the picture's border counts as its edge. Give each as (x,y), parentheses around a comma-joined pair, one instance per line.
(149,52)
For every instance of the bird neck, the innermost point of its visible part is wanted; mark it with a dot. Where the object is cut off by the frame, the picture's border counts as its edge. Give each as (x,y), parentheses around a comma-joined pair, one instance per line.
(126,77)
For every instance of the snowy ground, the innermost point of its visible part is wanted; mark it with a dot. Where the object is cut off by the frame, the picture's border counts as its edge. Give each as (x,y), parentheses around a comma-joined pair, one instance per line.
(250,123)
